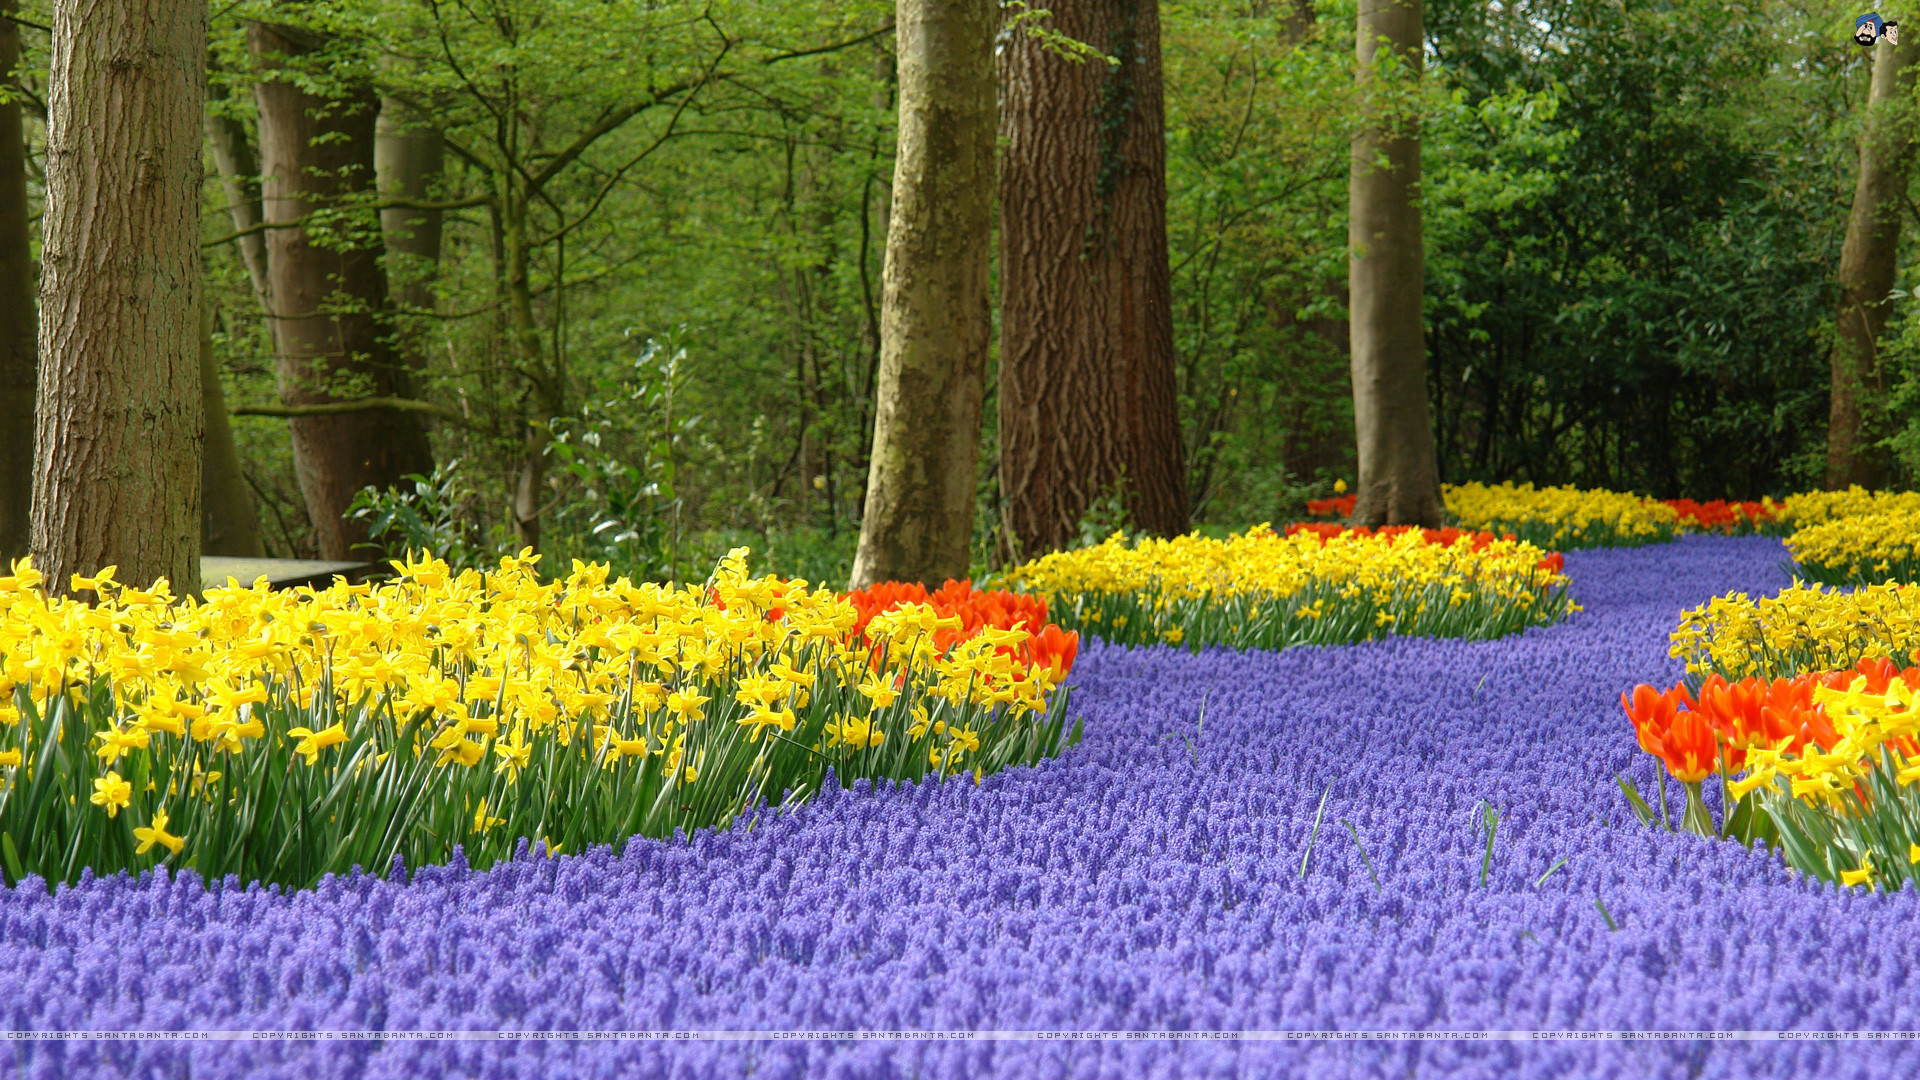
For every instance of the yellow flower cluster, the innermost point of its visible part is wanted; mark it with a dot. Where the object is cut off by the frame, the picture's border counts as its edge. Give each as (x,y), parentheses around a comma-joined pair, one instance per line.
(1259,589)
(1865,723)
(1815,507)
(1872,547)
(473,694)
(1803,628)
(1559,518)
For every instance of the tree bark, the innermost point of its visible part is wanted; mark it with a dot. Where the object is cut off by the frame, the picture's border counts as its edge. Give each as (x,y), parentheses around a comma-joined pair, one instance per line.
(329,299)
(229,525)
(407,159)
(118,433)
(240,182)
(1399,481)
(1086,392)
(935,321)
(1867,263)
(18,332)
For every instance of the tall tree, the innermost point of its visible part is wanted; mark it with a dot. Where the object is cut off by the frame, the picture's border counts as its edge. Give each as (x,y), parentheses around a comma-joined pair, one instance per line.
(329,294)
(17,330)
(1386,277)
(408,154)
(118,427)
(1867,263)
(1086,390)
(935,321)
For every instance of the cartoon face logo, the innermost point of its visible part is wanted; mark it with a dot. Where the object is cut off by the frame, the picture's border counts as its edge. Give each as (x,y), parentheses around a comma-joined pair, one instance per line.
(1866,29)
(1891,33)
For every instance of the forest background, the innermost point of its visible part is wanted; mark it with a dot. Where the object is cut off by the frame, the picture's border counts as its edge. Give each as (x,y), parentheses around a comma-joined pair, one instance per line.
(1633,212)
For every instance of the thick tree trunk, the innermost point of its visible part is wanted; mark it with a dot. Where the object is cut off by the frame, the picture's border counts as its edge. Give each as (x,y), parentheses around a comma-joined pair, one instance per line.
(332,339)
(229,525)
(117,441)
(1399,479)
(18,332)
(935,322)
(1867,267)
(1087,391)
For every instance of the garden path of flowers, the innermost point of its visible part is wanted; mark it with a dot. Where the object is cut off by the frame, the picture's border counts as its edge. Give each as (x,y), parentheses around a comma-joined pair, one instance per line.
(1138,882)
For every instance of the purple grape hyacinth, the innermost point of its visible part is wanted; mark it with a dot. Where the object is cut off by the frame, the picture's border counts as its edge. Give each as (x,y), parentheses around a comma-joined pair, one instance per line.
(1151,878)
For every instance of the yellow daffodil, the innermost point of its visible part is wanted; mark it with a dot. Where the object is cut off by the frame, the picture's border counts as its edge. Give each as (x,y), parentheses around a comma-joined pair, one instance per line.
(157,834)
(111,793)
(312,742)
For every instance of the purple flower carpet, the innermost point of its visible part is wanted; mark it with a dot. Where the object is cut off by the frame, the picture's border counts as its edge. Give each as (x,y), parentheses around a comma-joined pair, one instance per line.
(1151,878)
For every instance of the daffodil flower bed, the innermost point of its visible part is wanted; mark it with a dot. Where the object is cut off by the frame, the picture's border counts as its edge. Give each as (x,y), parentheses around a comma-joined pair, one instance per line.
(1815,507)
(1800,629)
(1562,518)
(1263,590)
(1860,550)
(281,736)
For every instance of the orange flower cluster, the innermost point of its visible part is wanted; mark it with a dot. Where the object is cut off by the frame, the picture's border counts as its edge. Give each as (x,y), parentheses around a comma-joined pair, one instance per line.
(1720,515)
(976,611)
(1327,530)
(1338,506)
(1690,732)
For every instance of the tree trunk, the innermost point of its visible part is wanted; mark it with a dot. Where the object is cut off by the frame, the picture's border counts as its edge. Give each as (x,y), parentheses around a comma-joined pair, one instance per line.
(935,321)
(18,333)
(240,182)
(407,159)
(1867,267)
(1399,479)
(229,524)
(117,443)
(1087,391)
(332,341)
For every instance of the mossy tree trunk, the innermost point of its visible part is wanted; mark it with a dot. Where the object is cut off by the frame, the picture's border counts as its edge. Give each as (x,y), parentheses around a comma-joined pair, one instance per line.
(935,322)
(1399,482)
(1867,265)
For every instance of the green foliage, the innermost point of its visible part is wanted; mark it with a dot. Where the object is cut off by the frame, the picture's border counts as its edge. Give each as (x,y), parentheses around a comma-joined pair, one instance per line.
(432,518)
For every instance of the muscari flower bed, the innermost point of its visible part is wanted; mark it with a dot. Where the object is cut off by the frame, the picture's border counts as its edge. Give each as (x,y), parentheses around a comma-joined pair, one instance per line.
(1163,874)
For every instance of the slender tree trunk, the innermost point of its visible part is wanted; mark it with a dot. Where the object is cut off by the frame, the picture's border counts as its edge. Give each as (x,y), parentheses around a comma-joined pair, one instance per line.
(18,332)
(407,159)
(332,341)
(1087,393)
(240,182)
(1867,263)
(935,322)
(1399,479)
(117,441)
(229,524)
(546,384)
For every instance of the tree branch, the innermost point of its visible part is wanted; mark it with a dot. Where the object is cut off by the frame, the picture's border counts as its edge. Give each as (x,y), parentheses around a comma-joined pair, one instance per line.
(339,408)
(378,204)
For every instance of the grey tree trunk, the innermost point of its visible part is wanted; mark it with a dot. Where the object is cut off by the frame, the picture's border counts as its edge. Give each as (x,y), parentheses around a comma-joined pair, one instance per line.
(331,336)
(229,524)
(1867,263)
(118,433)
(1399,481)
(935,321)
(18,332)
(407,159)
(1087,394)
(240,182)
